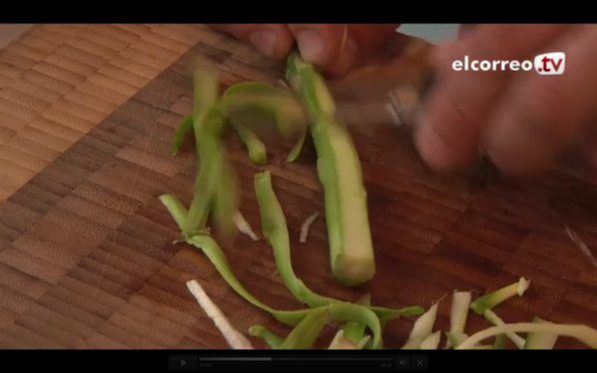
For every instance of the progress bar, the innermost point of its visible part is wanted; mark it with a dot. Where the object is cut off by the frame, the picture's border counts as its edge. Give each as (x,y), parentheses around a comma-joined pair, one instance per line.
(291,359)
(300,363)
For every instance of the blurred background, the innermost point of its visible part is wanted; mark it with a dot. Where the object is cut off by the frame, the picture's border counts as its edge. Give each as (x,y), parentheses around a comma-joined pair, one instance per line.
(10,31)
(434,32)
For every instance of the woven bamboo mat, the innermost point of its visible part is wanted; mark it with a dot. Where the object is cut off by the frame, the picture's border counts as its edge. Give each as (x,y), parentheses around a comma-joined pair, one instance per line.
(87,114)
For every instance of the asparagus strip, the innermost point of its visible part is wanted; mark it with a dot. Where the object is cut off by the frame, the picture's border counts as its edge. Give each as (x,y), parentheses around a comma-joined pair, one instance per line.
(234,338)
(351,249)
(175,208)
(499,343)
(266,102)
(353,331)
(251,88)
(422,329)
(493,318)
(338,312)
(483,347)
(261,102)
(540,341)
(306,332)
(431,342)
(582,333)
(183,128)
(215,254)
(227,199)
(207,182)
(204,123)
(491,300)
(206,95)
(295,152)
(456,339)
(216,185)
(273,223)
(364,342)
(305,227)
(461,301)
(256,148)
(273,340)
(341,342)
(243,226)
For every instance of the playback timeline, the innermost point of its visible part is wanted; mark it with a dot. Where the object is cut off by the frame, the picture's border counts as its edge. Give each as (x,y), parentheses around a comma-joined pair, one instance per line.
(296,363)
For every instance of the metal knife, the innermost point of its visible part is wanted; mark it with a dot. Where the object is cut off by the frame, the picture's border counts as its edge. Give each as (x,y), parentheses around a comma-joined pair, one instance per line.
(370,102)
(378,103)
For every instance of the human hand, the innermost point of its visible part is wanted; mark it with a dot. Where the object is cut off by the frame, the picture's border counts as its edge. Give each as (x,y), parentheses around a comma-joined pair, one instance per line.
(521,119)
(337,48)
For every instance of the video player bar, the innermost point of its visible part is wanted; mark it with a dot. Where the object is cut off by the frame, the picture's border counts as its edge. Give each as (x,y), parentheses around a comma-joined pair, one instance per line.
(382,363)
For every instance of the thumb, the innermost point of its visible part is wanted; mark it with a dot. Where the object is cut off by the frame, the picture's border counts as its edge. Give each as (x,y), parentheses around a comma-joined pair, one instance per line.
(272,39)
(339,48)
(319,43)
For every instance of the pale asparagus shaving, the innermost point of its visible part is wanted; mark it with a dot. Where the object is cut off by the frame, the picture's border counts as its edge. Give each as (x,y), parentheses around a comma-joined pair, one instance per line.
(582,333)
(581,245)
(244,227)
(363,342)
(422,329)
(484,347)
(235,339)
(344,39)
(432,341)
(306,226)
(456,339)
(523,286)
(340,342)
(493,318)
(461,301)
(540,341)
(491,300)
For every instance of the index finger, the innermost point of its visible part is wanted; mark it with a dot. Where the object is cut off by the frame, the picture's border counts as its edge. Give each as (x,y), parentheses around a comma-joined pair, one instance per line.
(272,39)
(448,137)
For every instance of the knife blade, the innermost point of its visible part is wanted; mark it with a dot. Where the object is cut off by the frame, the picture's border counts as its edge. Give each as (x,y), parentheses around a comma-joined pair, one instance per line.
(367,102)
(396,104)
(387,102)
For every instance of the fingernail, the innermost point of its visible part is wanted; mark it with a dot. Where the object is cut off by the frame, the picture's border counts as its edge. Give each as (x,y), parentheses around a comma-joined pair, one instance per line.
(432,147)
(265,41)
(312,46)
(351,45)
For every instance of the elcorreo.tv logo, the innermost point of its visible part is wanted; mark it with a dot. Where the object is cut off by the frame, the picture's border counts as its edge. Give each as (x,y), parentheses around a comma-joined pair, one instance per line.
(553,63)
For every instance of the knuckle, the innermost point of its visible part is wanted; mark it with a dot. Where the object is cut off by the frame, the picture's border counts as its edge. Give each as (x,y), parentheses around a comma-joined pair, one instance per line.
(546,109)
(455,125)
(322,28)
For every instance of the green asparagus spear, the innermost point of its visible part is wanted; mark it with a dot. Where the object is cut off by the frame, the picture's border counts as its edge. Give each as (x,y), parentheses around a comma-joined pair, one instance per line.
(351,249)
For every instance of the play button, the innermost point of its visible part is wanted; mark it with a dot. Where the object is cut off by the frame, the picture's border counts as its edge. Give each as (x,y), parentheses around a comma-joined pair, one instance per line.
(182,363)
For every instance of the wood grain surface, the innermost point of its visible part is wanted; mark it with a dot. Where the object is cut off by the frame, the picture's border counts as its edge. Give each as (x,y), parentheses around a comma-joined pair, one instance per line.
(87,115)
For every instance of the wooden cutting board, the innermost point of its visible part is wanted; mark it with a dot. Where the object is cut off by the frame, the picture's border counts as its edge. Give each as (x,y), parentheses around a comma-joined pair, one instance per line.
(87,115)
